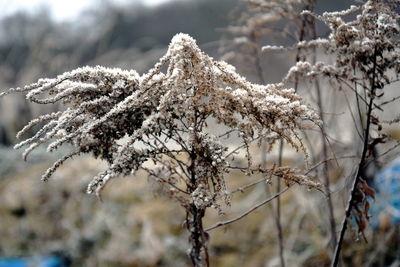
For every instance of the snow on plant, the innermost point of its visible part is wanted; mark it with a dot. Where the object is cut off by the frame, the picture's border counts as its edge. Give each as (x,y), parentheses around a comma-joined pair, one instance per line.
(160,122)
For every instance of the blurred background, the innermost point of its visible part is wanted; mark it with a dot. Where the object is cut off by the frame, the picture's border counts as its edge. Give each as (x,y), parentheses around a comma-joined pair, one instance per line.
(136,224)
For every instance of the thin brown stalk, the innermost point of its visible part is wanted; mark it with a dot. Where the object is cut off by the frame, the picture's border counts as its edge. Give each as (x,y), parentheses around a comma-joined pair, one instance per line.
(219,224)
(361,165)
(278,210)
(302,34)
(332,222)
(259,71)
(317,86)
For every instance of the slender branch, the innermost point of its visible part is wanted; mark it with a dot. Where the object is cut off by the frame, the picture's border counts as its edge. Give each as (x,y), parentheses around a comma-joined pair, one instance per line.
(352,116)
(363,159)
(153,173)
(386,152)
(360,97)
(358,104)
(242,188)
(241,146)
(219,224)
(171,155)
(227,133)
(325,161)
(180,141)
(390,101)
(317,86)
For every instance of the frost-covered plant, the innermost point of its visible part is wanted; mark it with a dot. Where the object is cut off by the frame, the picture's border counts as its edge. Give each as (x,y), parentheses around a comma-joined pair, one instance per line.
(366,52)
(266,17)
(264,20)
(357,44)
(164,122)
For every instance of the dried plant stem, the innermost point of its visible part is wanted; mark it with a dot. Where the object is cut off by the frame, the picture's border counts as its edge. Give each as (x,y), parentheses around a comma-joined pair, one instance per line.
(219,224)
(259,68)
(301,36)
(317,86)
(259,71)
(278,209)
(278,223)
(331,213)
(198,237)
(361,165)
(194,221)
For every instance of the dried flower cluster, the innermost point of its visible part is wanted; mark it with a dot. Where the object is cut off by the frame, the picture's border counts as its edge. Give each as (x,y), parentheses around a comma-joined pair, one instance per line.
(262,21)
(159,122)
(374,33)
(261,17)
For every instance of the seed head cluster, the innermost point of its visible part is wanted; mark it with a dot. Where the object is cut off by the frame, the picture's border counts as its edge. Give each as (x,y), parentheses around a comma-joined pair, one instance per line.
(373,34)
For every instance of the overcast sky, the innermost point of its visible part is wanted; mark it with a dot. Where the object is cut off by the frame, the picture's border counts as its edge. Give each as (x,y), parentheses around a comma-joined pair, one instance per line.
(61,9)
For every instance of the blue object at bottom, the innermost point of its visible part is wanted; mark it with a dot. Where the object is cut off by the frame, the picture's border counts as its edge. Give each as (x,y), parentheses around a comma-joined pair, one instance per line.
(387,183)
(29,262)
